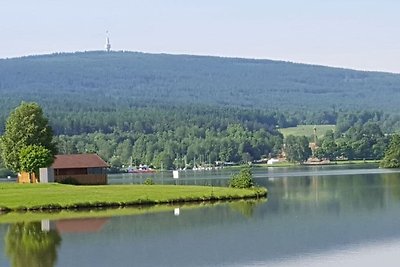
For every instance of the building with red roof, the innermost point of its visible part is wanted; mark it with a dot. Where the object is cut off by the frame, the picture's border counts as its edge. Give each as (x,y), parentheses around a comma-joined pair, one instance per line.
(88,169)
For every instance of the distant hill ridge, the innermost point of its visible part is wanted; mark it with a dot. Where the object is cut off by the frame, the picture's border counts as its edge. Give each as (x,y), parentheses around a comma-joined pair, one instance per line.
(119,80)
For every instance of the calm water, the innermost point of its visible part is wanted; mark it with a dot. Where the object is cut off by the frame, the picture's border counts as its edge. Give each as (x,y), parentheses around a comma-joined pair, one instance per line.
(326,216)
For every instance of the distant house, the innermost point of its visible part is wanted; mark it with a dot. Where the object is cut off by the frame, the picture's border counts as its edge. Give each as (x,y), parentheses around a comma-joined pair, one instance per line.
(88,169)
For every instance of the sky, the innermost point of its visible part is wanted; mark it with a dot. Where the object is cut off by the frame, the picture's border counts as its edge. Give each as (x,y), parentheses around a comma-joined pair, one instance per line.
(357,34)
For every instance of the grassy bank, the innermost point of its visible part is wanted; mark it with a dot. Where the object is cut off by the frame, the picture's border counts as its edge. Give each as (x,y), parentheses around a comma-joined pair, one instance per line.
(14,197)
(66,214)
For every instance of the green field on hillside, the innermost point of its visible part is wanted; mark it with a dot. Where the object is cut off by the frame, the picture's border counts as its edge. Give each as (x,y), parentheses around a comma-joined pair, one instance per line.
(307,130)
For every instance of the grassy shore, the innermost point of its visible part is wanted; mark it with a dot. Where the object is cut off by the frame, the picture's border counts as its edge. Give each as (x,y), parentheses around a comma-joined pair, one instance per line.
(15,197)
(67,214)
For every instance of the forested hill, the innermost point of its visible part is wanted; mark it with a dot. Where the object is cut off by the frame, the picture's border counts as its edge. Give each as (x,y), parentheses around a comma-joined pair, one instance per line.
(89,81)
(164,110)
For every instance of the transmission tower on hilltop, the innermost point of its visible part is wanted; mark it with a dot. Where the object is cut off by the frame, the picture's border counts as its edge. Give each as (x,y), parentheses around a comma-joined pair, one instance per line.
(108,45)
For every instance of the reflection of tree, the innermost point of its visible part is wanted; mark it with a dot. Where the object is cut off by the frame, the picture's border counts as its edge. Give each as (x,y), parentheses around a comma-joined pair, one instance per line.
(392,181)
(345,192)
(246,208)
(358,192)
(28,245)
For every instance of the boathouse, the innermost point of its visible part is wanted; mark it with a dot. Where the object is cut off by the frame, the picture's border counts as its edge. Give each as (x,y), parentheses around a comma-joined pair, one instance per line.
(87,169)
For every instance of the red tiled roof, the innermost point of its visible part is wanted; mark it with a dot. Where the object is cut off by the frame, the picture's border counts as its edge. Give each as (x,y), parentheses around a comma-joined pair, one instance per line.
(78,161)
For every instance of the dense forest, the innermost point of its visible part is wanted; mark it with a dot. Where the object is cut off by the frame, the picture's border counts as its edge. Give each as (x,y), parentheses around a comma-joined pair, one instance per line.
(170,109)
(111,81)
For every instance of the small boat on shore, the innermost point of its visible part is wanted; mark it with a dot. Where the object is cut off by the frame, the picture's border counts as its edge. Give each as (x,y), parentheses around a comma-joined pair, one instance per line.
(140,169)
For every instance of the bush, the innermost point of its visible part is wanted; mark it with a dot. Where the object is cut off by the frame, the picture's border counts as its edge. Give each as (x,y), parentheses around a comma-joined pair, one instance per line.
(149,181)
(70,180)
(244,179)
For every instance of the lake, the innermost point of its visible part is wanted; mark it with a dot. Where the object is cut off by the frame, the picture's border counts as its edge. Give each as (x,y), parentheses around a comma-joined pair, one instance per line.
(314,216)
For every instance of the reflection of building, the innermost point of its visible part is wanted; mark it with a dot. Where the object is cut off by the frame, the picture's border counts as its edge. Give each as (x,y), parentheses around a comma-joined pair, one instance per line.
(81,168)
(88,225)
(81,225)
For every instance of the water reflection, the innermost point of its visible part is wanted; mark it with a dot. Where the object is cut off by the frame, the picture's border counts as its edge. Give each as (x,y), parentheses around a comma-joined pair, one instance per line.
(344,193)
(88,225)
(246,208)
(27,244)
(35,244)
(307,220)
(392,182)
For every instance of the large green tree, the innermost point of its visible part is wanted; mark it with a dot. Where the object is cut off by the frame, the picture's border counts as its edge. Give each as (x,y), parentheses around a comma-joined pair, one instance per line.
(34,157)
(25,126)
(392,155)
(297,148)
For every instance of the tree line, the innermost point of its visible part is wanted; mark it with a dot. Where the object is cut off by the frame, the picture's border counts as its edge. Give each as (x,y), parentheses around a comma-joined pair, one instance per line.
(185,146)
(170,137)
(246,138)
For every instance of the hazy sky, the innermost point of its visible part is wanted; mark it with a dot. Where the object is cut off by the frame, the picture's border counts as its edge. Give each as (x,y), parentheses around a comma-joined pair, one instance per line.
(360,34)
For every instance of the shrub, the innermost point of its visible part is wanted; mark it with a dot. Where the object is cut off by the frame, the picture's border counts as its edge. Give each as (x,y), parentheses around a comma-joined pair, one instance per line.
(70,180)
(244,179)
(149,181)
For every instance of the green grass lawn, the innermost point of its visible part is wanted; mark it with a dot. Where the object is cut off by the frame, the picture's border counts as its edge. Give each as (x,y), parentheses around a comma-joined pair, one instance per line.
(306,130)
(47,196)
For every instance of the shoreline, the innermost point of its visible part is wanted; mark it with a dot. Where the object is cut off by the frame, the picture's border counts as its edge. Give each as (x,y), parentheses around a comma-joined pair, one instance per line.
(95,213)
(52,197)
(255,165)
(291,164)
